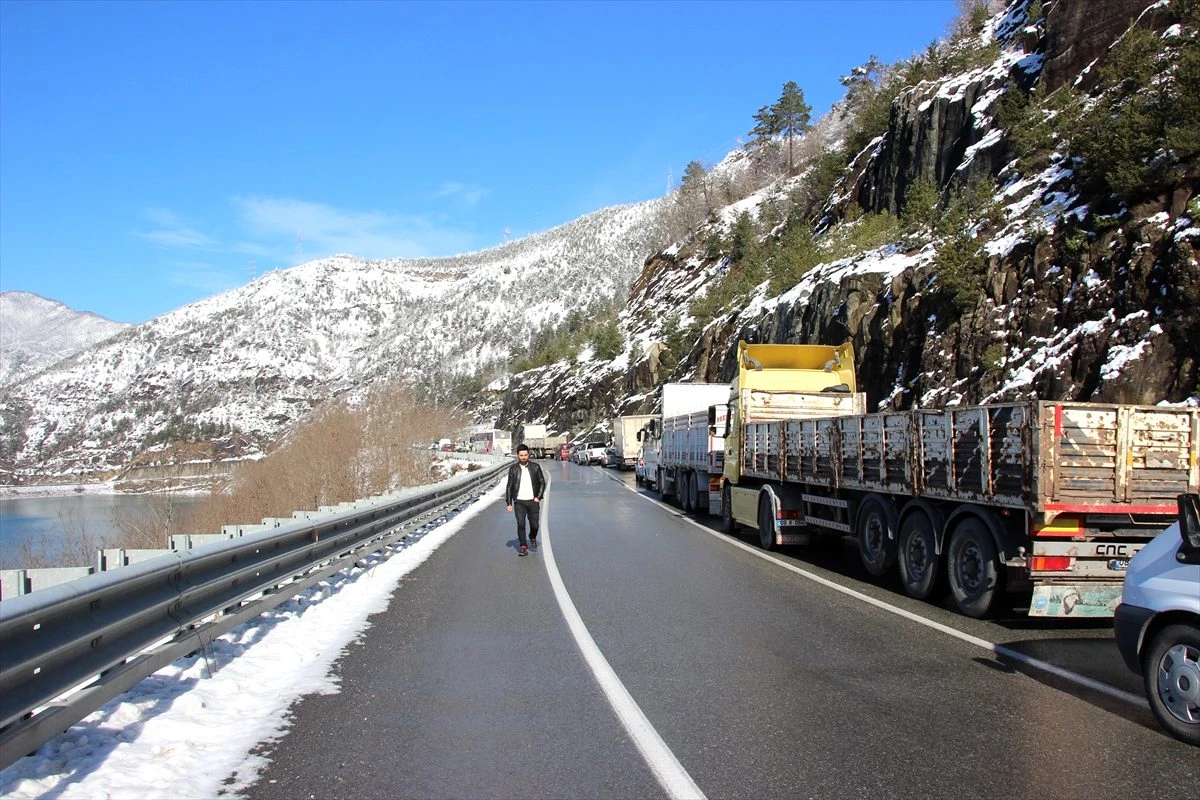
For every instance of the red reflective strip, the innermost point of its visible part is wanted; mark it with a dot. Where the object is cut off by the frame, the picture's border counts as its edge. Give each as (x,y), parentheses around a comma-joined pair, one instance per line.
(1169,509)
(1050,563)
(1058,422)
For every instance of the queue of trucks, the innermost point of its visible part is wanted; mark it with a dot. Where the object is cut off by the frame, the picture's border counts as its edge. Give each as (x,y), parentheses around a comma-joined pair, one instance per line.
(1044,498)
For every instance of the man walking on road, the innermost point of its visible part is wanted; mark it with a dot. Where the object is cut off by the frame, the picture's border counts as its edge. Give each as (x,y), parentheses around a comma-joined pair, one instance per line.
(523,495)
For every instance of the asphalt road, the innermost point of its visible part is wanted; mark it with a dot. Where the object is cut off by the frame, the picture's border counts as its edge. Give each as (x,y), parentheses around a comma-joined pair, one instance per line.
(761,681)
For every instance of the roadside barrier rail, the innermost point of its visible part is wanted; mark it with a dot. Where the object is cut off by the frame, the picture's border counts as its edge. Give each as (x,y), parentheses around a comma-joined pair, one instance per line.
(68,649)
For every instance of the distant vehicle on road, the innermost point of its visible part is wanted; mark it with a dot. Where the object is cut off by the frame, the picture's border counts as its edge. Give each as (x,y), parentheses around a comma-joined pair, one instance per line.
(623,454)
(564,451)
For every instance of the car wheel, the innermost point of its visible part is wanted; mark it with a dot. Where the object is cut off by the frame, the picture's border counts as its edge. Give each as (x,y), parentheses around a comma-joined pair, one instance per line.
(1171,669)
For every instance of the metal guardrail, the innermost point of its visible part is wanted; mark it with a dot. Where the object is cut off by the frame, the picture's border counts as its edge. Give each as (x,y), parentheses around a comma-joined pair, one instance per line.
(101,634)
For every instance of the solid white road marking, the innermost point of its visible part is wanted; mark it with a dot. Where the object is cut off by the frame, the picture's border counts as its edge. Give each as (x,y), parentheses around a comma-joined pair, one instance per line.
(670,774)
(998,649)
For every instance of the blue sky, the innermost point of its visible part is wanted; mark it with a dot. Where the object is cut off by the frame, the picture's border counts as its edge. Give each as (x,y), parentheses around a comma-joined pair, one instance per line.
(149,152)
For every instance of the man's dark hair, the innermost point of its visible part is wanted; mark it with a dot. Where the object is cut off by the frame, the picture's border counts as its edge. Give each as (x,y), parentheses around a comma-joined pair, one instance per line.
(523,446)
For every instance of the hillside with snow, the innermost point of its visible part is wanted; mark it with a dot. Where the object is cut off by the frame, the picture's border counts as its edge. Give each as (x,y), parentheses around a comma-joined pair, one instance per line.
(976,249)
(36,333)
(238,369)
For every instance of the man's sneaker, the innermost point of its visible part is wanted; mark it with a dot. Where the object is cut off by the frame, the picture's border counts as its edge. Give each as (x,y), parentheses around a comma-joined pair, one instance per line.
(524,551)
(533,542)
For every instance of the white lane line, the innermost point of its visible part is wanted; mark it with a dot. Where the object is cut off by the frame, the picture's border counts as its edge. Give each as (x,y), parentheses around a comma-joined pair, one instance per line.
(998,649)
(671,775)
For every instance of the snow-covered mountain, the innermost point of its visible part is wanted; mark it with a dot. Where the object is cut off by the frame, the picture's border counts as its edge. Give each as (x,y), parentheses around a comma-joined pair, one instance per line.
(36,333)
(239,368)
(1049,287)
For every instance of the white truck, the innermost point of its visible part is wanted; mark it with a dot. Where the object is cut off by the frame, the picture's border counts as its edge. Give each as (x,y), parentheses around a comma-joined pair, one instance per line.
(691,447)
(625,448)
(536,438)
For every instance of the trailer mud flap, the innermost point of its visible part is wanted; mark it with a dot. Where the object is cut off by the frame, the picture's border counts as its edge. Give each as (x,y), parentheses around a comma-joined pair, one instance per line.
(1081,600)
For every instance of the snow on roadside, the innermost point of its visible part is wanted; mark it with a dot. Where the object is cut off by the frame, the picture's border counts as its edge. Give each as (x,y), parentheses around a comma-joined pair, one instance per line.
(184,731)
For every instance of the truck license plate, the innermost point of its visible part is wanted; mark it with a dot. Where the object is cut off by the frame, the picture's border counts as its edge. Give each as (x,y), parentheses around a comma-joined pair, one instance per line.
(1118,564)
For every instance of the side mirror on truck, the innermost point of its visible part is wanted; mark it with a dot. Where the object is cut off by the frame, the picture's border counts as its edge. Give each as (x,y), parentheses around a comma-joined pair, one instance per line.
(1189,529)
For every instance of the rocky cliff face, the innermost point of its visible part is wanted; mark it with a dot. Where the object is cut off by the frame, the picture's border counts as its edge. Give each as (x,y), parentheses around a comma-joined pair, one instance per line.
(1079,297)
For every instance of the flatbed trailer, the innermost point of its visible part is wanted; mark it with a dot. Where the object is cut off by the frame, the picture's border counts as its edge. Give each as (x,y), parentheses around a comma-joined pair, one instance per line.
(691,456)
(1050,498)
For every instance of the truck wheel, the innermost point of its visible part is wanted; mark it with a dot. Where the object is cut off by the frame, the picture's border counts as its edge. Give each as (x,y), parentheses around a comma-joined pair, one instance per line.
(1171,669)
(683,492)
(691,492)
(877,535)
(917,555)
(658,485)
(727,523)
(973,568)
(766,522)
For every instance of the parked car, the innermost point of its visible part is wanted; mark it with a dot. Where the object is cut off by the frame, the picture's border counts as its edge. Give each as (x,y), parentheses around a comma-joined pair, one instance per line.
(1157,624)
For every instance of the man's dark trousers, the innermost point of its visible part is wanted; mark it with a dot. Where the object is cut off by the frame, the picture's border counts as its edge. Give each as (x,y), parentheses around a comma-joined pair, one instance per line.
(523,509)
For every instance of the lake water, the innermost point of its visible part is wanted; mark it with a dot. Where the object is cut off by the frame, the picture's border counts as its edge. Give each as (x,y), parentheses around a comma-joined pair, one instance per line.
(51,521)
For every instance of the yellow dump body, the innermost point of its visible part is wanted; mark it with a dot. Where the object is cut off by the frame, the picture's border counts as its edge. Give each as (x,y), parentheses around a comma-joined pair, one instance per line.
(778,382)
(795,367)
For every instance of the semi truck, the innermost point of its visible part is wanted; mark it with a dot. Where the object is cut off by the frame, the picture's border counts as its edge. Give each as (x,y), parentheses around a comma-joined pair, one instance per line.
(538,439)
(1047,498)
(623,453)
(691,451)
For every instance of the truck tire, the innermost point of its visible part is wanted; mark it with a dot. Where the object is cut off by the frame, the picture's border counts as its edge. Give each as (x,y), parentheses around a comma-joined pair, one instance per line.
(1171,670)
(917,555)
(877,535)
(683,488)
(728,525)
(658,485)
(766,522)
(973,568)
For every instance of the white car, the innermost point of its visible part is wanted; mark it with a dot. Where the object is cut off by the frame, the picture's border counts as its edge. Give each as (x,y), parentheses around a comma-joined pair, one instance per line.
(1157,624)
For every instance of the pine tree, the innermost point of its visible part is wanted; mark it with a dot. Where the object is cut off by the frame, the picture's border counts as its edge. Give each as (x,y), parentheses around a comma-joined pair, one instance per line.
(793,115)
(789,117)
(694,184)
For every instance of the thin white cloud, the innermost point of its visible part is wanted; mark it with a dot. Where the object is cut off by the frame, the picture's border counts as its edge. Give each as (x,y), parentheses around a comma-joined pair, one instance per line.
(292,230)
(470,194)
(173,231)
(202,276)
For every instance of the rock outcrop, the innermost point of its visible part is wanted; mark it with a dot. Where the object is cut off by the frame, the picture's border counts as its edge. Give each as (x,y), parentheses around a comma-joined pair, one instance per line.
(1077,298)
